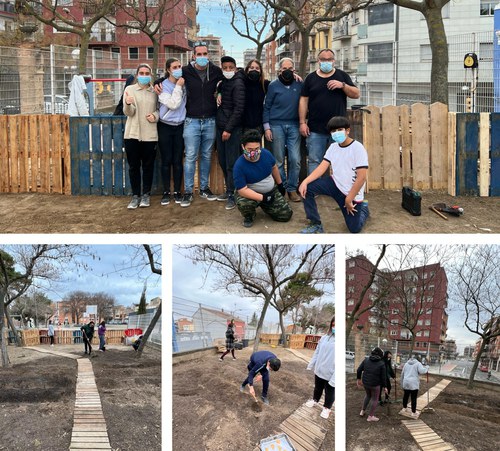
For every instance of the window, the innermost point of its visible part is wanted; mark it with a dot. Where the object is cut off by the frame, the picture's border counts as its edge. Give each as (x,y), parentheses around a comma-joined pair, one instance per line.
(352,263)
(487,8)
(425,52)
(431,287)
(425,275)
(395,311)
(485,51)
(420,322)
(132,23)
(350,302)
(150,52)
(152,3)
(63,2)
(419,334)
(351,276)
(426,333)
(97,53)
(133,53)
(428,311)
(394,332)
(427,322)
(60,23)
(380,14)
(350,290)
(115,53)
(380,53)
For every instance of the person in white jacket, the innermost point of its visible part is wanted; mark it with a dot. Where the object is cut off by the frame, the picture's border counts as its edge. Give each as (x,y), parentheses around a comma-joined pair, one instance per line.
(77,105)
(140,105)
(410,382)
(323,364)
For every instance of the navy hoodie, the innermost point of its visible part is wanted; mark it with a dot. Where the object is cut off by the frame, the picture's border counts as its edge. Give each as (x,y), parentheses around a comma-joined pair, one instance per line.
(258,364)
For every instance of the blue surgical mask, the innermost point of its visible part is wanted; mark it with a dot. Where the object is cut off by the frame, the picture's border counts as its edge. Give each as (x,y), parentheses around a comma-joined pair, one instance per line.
(177,73)
(202,61)
(325,66)
(333,330)
(144,79)
(339,136)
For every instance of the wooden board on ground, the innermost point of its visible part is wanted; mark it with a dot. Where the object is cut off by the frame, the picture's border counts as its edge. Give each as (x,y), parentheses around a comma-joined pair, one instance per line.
(408,414)
(425,437)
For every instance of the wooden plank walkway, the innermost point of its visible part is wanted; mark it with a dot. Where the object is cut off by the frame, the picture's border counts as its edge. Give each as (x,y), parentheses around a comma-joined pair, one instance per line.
(422,400)
(425,437)
(53,351)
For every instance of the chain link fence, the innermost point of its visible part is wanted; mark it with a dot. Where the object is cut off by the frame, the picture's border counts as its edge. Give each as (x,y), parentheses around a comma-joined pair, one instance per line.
(359,346)
(136,321)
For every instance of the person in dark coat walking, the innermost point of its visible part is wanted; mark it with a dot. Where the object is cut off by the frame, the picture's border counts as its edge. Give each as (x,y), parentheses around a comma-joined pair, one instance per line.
(230,339)
(229,120)
(373,381)
(258,368)
(88,334)
(389,373)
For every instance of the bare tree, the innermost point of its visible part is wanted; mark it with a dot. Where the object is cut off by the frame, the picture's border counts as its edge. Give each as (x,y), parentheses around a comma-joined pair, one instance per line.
(155,18)
(34,263)
(75,304)
(34,305)
(259,271)
(476,289)
(307,14)
(256,21)
(432,12)
(51,13)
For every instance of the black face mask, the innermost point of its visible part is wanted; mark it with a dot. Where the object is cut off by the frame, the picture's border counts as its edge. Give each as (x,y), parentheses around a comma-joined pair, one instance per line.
(286,77)
(253,75)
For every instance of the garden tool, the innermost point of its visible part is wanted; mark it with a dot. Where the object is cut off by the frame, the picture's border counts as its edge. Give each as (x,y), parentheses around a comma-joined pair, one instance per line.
(454,210)
(427,408)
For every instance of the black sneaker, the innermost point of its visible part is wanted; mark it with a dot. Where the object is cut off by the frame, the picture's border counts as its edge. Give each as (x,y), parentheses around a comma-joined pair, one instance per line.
(207,194)
(223,197)
(265,400)
(165,200)
(186,200)
(247,222)
(230,203)
(177,197)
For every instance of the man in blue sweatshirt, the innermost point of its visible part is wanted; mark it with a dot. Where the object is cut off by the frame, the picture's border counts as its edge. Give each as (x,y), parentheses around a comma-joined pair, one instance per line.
(260,364)
(281,124)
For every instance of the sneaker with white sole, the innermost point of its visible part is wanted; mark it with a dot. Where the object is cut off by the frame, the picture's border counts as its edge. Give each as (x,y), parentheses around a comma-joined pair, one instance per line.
(145,201)
(222,197)
(134,203)
(207,194)
(325,413)
(362,413)
(187,199)
(313,228)
(265,400)
(414,415)
(177,197)
(165,200)
(311,403)
(242,389)
(230,204)
(372,418)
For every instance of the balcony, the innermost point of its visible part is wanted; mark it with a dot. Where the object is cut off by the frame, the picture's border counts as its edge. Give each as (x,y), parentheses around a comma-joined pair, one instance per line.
(103,37)
(283,48)
(341,31)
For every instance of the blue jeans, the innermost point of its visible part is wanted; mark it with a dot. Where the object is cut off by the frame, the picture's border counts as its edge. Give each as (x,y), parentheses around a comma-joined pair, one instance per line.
(327,187)
(317,143)
(265,381)
(199,137)
(287,135)
(102,342)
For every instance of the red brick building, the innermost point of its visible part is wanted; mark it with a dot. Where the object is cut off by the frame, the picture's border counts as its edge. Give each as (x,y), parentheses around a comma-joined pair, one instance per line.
(412,302)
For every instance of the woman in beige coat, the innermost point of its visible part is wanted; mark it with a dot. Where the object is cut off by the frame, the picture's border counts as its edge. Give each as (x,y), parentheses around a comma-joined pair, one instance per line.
(140,105)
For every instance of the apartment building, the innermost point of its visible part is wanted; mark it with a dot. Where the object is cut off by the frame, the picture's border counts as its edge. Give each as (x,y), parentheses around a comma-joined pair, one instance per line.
(410,303)
(7,16)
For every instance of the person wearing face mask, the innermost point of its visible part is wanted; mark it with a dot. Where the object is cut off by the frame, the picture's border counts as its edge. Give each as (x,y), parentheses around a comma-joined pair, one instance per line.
(170,129)
(323,364)
(140,105)
(281,125)
(389,373)
(324,95)
(229,118)
(256,87)
(348,160)
(258,182)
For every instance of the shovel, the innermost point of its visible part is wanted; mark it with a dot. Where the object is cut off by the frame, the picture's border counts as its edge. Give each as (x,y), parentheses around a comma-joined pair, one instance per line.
(427,408)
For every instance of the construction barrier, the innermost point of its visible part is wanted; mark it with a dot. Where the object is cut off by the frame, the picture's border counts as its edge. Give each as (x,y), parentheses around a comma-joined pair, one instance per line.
(33,337)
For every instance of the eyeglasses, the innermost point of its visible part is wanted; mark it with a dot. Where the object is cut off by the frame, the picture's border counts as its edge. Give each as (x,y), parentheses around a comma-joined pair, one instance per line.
(199,44)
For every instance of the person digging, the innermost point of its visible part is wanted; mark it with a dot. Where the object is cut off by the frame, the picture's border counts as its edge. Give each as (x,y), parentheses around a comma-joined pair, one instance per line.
(258,368)
(88,334)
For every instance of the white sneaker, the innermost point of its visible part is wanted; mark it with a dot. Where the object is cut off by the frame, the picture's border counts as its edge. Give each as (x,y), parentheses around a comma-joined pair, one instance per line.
(134,202)
(414,415)
(221,359)
(325,413)
(362,413)
(145,201)
(311,403)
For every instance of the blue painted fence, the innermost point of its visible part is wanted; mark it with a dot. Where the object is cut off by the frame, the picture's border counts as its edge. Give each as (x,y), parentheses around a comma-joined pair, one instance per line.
(468,159)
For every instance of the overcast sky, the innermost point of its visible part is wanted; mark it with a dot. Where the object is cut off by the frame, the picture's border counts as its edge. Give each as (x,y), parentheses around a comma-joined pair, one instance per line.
(113,269)
(189,284)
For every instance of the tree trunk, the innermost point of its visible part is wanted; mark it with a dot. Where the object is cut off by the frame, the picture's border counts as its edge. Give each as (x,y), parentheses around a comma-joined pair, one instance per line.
(3,339)
(439,48)
(412,343)
(348,326)
(258,54)
(84,48)
(13,328)
(282,325)
(484,343)
(156,54)
(150,328)
(260,323)
(304,51)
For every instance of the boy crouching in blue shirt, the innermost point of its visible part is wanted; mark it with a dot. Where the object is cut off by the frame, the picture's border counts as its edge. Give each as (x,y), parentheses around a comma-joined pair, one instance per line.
(349,162)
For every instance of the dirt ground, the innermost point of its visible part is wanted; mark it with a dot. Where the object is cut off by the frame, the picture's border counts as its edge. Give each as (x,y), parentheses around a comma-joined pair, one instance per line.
(53,213)
(467,419)
(37,395)
(210,413)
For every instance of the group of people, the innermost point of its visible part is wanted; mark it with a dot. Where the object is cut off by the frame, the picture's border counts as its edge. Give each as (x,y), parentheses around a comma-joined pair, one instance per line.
(262,362)
(374,374)
(88,335)
(198,104)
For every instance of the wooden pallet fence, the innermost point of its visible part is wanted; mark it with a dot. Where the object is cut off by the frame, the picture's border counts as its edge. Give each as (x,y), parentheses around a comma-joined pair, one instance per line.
(30,337)
(270,339)
(475,155)
(99,162)
(34,154)
(297,341)
(311,341)
(407,146)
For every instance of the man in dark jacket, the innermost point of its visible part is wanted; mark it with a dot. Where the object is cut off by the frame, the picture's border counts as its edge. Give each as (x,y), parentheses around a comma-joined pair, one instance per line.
(231,96)
(201,79)
(389,373)
(88,334)
(260,364)
(374,379)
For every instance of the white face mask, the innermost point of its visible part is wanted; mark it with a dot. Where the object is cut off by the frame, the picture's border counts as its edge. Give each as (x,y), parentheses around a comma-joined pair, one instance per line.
(228,75)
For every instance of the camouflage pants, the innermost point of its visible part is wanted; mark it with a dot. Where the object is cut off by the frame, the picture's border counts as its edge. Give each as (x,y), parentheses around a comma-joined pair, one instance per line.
(279,210)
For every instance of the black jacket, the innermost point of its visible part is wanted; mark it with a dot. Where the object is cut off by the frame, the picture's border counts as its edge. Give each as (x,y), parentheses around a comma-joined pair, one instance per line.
(201,102)
(374,371)
(254,102)
(230,112)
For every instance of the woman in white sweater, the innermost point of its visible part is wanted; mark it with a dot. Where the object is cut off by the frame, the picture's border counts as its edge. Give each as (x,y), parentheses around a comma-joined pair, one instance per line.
(410,382)
(140,105)
(323,363)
